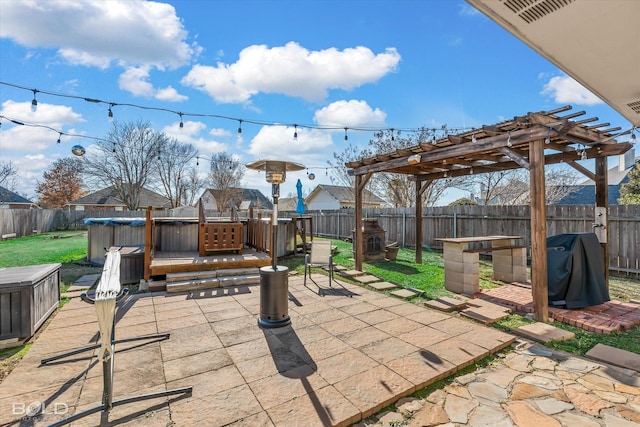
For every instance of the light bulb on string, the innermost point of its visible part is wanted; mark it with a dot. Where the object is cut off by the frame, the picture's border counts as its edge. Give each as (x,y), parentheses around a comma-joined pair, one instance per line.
(346,137)
(197,161)
(295,132)
(547,140)
(509,140)
(473,137)
(393,138)
(59,136)
(583,156)
(239,127)
(110,113)
(34,102)
(633,135)
(181,124)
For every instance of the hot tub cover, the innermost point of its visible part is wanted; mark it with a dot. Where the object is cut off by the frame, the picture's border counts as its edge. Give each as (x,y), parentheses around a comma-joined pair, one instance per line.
(133,222)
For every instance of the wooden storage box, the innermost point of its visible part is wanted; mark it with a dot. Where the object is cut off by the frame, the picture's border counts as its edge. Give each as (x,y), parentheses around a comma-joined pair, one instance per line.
(28,296)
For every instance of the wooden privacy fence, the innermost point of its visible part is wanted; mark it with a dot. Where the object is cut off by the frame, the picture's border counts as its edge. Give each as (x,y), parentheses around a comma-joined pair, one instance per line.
(400,224)
(468,221)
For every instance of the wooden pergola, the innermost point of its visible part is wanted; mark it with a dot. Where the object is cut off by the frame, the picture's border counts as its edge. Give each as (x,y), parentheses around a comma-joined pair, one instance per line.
(530,141)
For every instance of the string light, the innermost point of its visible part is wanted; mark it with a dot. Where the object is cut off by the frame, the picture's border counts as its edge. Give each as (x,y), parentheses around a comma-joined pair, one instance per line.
(471,170)
(59,136)
(547,140)
(509,140)
(473,138)
(110,113)
(239,127)
(295,132)
(583,156)
(346,137)
(34,103)
(633,135)
(392,137)
(181,124)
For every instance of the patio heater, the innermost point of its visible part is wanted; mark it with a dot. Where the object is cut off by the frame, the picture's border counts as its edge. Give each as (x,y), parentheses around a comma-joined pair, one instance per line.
(274,280)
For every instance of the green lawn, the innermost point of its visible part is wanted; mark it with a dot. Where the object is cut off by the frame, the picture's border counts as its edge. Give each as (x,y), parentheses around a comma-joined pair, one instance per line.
(62,247)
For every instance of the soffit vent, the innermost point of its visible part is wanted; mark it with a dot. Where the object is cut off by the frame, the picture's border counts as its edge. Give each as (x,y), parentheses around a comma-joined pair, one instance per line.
(532,10)
(635,106)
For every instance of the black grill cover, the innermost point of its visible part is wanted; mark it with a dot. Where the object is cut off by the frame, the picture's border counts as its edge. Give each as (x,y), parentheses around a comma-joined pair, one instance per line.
(576,276)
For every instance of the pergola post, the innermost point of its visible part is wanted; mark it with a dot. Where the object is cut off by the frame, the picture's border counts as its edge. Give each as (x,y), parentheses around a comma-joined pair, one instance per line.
(538,232)
(418,202)
(358,226)
(602,201)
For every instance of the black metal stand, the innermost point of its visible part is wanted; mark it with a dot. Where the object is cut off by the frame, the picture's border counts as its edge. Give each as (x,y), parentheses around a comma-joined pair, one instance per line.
(108,371)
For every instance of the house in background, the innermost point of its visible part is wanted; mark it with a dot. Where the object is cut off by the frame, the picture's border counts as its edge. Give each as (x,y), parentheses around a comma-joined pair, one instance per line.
(585,193)
(333,197)
(288,204)
(243,199)
(106,199)
(11,200)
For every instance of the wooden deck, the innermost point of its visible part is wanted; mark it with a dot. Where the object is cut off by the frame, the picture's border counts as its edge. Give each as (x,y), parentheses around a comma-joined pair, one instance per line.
(165,262)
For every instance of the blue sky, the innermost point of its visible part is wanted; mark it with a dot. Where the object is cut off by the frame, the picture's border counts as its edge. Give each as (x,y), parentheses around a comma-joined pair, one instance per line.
(399,64)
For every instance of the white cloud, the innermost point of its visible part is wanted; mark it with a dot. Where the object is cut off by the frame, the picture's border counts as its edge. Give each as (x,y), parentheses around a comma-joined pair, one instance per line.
(136,81)
(96,33)
(291,70)
(170,94)
(190,133)
(310,148)
(34,139)
(351,114)
(566,90)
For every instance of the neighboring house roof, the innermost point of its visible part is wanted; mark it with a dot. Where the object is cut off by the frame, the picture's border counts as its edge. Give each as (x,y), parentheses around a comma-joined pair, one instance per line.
(585,192)
(7,196)
(247,198)
(345,195)
(107,197)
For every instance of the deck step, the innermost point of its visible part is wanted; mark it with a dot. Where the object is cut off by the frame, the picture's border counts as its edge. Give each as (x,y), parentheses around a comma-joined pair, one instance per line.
(193,285)
(252,271)
(191,275)
(213,282)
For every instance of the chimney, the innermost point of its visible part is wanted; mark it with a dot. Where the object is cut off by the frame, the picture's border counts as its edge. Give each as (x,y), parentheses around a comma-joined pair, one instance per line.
(626,160)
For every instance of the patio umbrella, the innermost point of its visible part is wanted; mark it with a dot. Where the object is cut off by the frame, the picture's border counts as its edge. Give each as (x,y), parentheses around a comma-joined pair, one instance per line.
(105,302)
(300,206)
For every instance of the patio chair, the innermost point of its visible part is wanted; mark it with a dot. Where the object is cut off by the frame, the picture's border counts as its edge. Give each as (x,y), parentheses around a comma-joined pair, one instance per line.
(107,293)
(320,256)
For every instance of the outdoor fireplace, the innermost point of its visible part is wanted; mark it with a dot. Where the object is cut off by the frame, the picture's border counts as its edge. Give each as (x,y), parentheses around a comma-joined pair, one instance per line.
(373,240)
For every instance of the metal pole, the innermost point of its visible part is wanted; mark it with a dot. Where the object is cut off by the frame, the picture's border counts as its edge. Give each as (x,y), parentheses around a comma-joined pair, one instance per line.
(275,190)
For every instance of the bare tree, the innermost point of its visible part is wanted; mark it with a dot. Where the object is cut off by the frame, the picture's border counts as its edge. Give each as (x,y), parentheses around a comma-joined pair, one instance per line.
(514,186)
(398,190)
(125,159)
(192,185)
(171,167)
(226,175)
(8,175)
(62,183)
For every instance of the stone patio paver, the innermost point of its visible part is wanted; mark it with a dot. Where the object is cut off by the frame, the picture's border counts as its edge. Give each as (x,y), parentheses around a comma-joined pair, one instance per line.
(543,332)
(341,360)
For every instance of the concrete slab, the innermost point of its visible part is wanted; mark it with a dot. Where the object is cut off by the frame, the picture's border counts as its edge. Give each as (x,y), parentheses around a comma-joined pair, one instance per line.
(351,273)
(615,356)
(543,332)
(477,302)
(446,304)
(366,279)
(486,315)
(405,293)
(383,286)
